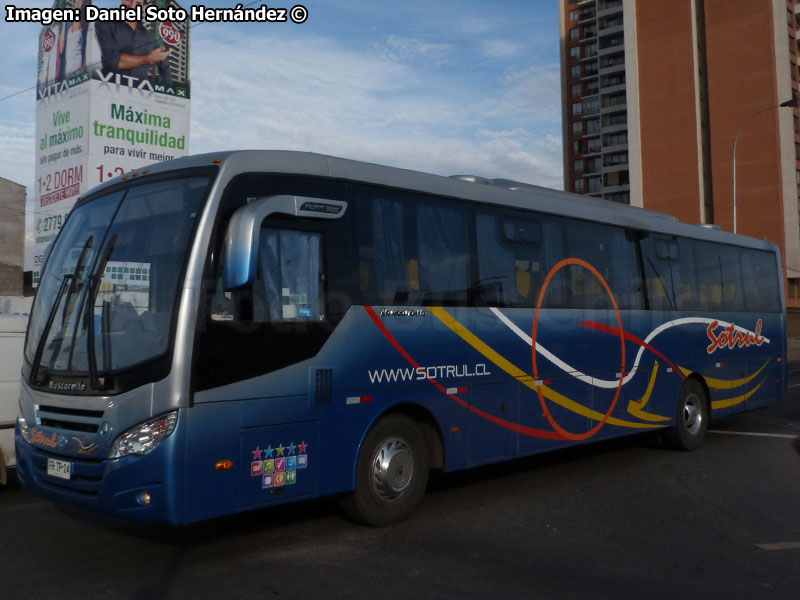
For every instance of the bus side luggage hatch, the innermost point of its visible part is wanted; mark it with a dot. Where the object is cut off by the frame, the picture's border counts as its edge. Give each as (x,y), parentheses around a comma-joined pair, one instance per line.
(278,462)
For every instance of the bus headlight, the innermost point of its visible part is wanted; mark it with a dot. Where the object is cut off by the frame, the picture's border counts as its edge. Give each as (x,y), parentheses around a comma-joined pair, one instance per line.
(24,430)
(145,437)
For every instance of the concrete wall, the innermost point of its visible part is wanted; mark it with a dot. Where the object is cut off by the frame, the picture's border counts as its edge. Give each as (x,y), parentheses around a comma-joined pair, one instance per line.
(12,237)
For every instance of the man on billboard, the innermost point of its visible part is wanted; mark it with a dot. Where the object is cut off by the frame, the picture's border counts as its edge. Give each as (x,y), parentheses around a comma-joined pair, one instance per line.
(128,48)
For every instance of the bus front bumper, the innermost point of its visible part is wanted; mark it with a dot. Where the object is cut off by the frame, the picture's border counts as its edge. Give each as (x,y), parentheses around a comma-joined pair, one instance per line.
(132,487)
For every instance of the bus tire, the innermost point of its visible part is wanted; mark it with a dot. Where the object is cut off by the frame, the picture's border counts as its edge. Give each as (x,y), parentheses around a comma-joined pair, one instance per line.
(691,418)
(391,475)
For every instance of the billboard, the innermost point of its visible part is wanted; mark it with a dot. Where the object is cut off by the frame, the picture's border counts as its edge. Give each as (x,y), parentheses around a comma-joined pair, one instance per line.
(112,95)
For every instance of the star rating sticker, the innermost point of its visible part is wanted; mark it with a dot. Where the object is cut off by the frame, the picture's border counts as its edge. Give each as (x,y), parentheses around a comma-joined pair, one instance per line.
(268,452)
(292,448)
(257,453)
(280,450)
(303,447)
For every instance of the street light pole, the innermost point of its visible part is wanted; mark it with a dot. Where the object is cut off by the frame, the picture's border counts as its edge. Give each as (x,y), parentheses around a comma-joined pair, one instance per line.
(789,103)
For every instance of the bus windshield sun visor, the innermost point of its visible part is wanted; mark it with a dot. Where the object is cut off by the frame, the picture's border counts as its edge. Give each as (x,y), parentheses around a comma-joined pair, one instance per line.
(241,239)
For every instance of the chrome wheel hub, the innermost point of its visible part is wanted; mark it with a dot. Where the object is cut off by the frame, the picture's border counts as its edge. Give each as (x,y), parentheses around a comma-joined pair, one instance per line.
(392,469)
(692,414)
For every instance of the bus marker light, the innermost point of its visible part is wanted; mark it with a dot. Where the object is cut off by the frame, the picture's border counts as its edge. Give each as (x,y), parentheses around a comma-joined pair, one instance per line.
(455,429)
(360,399)
(144,498)
(217,161)
(134,174)
(223,465)
(457,390)
(146,171)
(720,364)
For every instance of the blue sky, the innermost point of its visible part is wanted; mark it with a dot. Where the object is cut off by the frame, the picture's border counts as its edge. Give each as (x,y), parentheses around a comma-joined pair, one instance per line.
(438,86)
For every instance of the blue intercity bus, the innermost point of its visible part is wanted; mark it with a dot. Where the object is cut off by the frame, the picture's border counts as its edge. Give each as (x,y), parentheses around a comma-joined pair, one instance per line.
(232,331)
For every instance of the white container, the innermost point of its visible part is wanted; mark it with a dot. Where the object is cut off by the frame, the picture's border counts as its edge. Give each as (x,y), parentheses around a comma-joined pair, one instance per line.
(12,339)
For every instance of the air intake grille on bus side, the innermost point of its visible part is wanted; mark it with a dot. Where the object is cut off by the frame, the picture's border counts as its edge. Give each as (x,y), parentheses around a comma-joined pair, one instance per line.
(323,386)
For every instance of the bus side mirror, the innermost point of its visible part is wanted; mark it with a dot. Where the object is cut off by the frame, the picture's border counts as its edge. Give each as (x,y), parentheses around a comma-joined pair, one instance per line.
(242,237)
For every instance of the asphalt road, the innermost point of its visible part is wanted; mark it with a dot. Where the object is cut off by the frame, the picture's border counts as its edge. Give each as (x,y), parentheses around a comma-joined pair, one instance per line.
(624,519)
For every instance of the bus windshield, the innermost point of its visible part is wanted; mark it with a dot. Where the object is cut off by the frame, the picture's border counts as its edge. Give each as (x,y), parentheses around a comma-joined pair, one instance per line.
(107,295)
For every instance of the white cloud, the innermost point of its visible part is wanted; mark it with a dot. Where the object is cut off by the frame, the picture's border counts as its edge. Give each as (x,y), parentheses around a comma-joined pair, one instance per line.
(530,95)
(407,49)
(501,48)
(17,150)
(323,98)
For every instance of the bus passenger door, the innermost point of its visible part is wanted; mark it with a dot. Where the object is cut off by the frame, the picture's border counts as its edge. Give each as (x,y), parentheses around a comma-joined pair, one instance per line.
(494,407)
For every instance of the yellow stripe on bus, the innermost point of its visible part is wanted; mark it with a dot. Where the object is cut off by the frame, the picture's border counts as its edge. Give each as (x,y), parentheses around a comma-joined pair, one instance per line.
(728,402)
(724,384)
(523,377)
(635,406)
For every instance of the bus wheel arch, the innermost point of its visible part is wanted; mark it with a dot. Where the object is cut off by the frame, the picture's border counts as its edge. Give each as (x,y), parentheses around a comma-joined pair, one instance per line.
(692,415)
(391,471)
(430,428)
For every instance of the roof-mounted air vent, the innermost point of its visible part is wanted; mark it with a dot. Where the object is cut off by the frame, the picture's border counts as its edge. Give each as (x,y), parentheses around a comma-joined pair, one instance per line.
(472,179)
(507,184)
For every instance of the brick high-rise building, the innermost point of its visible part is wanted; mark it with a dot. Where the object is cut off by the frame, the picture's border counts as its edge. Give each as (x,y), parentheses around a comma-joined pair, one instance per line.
(654,95)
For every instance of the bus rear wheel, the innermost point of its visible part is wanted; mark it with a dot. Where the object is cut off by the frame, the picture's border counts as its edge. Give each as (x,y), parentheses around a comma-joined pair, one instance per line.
(391,475)
(691,418)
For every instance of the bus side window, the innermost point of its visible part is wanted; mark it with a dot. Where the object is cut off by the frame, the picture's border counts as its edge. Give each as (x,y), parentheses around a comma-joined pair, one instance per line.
(659,254)
(290,266)
(413,250)
(760,278)
(710,276)
(732,288)
(502,280)
(685,276)
(510,260)
(613,255)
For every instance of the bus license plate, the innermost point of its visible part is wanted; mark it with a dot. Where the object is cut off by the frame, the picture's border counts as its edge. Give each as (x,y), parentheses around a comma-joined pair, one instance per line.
(59,468)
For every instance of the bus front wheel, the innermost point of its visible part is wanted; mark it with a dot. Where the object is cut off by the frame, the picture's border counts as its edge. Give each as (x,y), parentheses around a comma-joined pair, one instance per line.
(391,475)
(691,418)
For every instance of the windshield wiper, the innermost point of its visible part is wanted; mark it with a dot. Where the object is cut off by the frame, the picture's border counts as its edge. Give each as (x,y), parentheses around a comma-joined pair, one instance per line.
(78,266)
(69,278)
(45,332)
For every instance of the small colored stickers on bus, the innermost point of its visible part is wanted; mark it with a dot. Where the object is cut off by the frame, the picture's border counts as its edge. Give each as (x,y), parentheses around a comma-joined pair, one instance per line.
(732,336)
(277,467)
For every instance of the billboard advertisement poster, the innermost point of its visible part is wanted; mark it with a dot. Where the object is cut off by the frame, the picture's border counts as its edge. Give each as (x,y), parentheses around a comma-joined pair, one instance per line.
(148,54)
(62,149)
(130,128)
(111,96)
